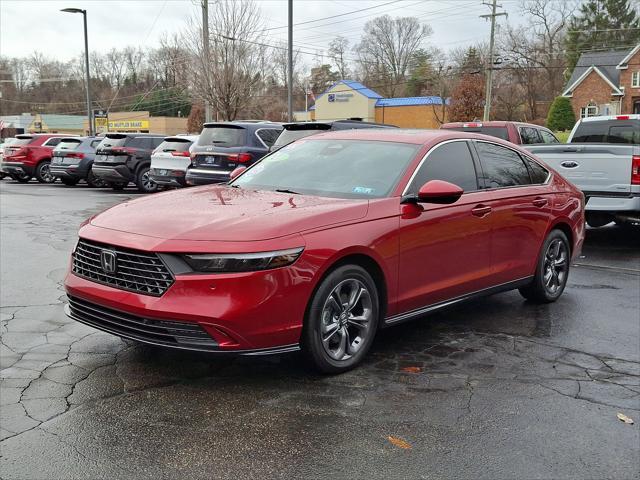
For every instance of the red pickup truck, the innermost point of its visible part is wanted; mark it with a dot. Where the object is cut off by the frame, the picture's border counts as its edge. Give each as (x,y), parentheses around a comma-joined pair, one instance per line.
(514,132)
(29,156)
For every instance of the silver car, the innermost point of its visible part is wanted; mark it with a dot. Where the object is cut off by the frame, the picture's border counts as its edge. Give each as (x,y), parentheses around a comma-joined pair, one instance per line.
(170,160)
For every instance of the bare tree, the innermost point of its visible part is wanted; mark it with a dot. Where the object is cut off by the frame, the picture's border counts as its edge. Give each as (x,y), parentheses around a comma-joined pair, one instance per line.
(338,48)
(534,52)
(387,49)
(230,77)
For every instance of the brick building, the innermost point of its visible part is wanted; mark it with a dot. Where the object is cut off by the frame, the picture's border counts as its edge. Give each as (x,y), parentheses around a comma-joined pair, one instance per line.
(606,83)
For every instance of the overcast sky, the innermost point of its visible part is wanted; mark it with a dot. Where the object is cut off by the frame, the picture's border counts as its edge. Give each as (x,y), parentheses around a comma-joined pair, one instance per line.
(38,25)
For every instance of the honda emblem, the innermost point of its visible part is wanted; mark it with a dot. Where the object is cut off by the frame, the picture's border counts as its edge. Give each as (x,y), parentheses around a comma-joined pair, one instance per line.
(108,261)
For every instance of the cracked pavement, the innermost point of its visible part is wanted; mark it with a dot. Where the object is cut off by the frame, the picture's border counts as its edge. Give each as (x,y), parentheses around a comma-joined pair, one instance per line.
(496,388)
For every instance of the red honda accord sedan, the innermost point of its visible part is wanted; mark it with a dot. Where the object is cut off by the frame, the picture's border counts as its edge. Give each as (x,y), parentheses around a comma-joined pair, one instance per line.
(325,241)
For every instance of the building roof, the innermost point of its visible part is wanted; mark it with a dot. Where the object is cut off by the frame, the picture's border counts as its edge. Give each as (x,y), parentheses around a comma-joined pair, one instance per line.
(63,122)
(406,101)
(353,85)
(604,63)
(623,63)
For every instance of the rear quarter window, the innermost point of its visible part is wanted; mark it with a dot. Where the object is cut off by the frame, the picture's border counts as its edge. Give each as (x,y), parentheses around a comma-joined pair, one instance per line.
(20,141)
(539,174)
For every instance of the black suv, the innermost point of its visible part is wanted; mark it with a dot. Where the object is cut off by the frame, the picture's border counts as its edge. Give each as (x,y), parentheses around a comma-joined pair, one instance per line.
(222,147)
(72,159)
(126,157)
(294,131)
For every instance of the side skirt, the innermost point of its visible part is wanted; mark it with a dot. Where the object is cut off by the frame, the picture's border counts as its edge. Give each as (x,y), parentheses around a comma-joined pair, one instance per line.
(403,317)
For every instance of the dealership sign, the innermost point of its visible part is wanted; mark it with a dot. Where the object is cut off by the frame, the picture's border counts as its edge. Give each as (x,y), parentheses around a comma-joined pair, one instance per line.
(100,121)
(129,125)
(339,97)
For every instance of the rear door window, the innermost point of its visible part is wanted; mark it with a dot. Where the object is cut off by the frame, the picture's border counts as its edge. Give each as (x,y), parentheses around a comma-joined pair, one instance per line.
(539,174)
(501,166)
(451,162)
(530,136)
(223,136)
(52,142)
(268,135)
(548,137)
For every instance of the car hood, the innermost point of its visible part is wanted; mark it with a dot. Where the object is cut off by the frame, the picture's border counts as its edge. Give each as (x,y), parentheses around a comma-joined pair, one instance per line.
(227,214)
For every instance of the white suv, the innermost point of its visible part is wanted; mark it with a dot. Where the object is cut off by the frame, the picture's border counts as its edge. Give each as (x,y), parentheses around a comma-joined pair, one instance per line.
(170,160)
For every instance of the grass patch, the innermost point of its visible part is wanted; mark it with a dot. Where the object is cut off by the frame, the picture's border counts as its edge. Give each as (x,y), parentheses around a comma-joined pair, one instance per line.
(562,136)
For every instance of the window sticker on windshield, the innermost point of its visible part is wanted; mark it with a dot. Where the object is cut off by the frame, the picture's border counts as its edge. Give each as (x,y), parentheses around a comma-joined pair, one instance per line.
(364,190)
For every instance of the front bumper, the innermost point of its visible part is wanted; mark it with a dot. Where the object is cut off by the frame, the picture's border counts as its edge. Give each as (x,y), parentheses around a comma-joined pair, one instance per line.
(245,313)
(202,176)
(112,173)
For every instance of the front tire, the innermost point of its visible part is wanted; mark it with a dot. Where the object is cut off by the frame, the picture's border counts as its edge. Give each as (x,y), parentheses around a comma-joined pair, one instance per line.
(552,271)
(342,320)
(43,172)
(144,182)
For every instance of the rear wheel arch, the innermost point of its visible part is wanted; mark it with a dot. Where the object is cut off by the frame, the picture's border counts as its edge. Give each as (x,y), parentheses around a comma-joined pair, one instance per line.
(565,228)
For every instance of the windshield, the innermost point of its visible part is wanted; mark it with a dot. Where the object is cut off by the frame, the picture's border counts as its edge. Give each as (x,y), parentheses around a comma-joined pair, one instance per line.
(498,132)
(287,136)
(224,136)
(67,144)
(611,131)
(332,168)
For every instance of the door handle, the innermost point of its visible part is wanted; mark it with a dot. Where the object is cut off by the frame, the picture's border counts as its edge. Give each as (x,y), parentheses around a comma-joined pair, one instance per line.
(481,210)
(540,202)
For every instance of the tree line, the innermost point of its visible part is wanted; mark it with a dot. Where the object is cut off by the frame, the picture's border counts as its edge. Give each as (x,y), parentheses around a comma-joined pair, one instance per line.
(243,74)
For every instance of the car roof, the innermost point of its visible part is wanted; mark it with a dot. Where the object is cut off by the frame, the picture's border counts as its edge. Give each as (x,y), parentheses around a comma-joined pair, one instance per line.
(490,123)
(604,118)
(246,124)
(347,122)
(179,138)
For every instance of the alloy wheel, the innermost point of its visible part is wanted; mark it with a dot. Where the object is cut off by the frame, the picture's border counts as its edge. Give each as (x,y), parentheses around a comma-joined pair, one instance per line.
(147,183)
(346,319)
(556,266)
(46,175)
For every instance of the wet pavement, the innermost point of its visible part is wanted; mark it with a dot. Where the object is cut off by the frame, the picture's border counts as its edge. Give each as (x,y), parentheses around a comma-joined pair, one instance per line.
(496,388)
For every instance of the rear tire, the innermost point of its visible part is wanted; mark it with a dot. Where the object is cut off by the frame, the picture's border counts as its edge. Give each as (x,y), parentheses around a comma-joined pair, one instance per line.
(552,271)
(95,182)
(43,172)
(342,320)
(144,182)
(69,182)
(22,178)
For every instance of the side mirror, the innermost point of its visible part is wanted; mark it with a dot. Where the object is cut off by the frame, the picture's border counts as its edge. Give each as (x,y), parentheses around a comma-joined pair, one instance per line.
(439,191)
(236,172)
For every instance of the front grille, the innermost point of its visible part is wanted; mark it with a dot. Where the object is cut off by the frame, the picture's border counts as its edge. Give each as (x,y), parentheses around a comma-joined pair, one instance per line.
(135,271)
(160,332)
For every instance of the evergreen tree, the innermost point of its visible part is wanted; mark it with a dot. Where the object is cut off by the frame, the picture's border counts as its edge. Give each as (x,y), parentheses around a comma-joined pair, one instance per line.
(561,116)
(602,24)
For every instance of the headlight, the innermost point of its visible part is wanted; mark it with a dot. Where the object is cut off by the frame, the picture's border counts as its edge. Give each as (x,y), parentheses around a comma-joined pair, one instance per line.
(241,262)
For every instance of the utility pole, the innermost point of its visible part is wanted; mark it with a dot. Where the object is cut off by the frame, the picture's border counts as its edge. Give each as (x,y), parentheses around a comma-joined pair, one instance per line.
(205,46)
(290,69)
(489,74)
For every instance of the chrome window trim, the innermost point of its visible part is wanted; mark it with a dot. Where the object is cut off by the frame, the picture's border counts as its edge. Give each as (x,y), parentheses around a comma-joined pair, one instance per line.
(426,156)
(521,154)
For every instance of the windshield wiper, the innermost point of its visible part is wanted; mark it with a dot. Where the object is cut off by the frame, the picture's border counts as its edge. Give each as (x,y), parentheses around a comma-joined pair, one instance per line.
(285,190)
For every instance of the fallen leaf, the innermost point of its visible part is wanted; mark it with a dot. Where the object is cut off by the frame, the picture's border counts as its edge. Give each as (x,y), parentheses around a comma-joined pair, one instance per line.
(623,418)
(411,369)
(398,442)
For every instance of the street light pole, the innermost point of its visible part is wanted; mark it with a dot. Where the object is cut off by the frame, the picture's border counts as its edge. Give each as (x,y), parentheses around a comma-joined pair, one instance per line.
(290,65)
(86,63)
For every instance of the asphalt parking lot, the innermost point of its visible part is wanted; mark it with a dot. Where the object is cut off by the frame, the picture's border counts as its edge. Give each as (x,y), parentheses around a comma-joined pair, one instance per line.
(497,388)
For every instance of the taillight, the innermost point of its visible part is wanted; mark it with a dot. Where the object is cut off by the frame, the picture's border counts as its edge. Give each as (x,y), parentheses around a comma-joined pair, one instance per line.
(635,170)
(180,154)
(622,117)
(240,157)
(75,155)
(472,125)
(126,150)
